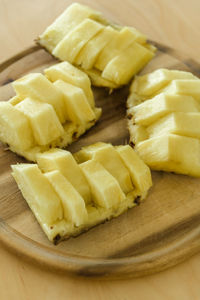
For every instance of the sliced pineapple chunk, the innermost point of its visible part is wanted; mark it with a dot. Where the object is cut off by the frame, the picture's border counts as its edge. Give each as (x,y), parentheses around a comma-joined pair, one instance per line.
(109,158)
(90,52)
(83,37)
(162,104)
(176,153)
(83,195)
(105,189)
(15,128)
(68,20)
(37,86)
(149,84)
(184,87)
(122,67)
(72,202)
(15,100)
(63,161)
(68,73)
(43,119)
(160,126)
(76,105)
(186,124)
(140,173)
(38,192)
(70,46)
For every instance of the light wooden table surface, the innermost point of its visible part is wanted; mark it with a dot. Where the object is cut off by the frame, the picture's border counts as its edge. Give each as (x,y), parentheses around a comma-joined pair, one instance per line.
(175,23)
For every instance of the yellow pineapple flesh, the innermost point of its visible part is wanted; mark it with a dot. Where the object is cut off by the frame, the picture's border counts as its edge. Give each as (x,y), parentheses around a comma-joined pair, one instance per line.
(48,111)
(164,120)
(83,194)
(110,54)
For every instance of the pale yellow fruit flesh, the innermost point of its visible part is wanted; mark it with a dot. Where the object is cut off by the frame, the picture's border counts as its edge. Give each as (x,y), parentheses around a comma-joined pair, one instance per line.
(122,67)
(149,84)
(70,46)
(152,110)
(43,119)
(38,192)
(184,87)
(140,173)
(15,128)
(68,73)
(68,20)
(76,105)
(37,86)
(63,161)
(72,202)
(90,52)
(109,158)
(186,124)
(104,187)
(178,154)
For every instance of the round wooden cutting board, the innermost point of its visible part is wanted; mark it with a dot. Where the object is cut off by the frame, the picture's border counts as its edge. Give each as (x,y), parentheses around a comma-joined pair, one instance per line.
(159,233)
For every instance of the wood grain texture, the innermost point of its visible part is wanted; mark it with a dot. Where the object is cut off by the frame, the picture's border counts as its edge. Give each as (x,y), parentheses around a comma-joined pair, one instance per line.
(165,22)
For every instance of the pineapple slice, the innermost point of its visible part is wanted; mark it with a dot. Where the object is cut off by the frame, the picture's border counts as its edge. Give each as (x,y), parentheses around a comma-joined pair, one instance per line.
(15,129)
(83,37)
(63,161)
(122,67)
(108,157)
(69,19)
(43,119)
(81,196)
(68,73)
(140,173)
(176,153)
(38,192)
(90,52)
(162,104)
(78,109)
(48,113)
(165,128)
(149,84)
(70,46)
(105,189)
(186,124)
(73,204)
(37,86)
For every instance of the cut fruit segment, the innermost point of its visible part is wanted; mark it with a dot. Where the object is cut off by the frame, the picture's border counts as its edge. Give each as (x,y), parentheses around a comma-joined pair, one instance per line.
(15,129)
(140,173)
(104,187)
(69,19)
(184,87)
(43,119)
(149,84)
(90,52)
(37,86)
(70,46)
(108,157)
(38,193)
(87,193)
(68,73)
(83,37)
(161,126)
(76,105)
(48,113)
(122,67)
(186,124)
(72,202)
(151,110)
(63,161)
(176,154)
